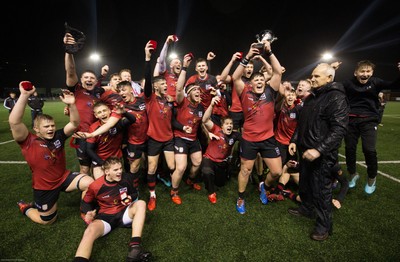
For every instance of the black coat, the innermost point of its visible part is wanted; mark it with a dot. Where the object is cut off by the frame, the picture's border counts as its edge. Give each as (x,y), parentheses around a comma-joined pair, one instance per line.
(323,120)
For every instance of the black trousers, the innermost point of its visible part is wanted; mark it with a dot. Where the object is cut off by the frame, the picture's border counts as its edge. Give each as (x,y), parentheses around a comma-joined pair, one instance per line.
(214,174)
(367,129)
(315,190)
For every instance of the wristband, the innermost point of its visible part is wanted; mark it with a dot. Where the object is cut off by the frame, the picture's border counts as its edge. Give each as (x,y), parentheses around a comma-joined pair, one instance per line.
(184,68)
(244,62)
(269,53)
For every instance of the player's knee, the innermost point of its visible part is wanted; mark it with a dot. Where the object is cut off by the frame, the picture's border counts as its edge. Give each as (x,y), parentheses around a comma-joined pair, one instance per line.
(48,219)
(84,182)
(275,175)
(140,204)
(245,171)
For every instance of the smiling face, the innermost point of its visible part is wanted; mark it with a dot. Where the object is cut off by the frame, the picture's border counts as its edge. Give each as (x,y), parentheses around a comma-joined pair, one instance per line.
(201,68)
(44,126)
(248,70)
(125,91)
(303,87)
(88,80)
(258,83)
(322,75)
(113,172)
(125,75)
(227,126)
(364,73)
(194,94)
(114,80)
(290,97)
(102,112)
(160,86)
(175,66)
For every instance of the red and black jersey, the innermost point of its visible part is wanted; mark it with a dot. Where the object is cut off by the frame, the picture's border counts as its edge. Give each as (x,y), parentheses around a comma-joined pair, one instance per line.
(286,123)
(159,112)
(236,105)
(107,195)
(46,159)
(109,143)
(219,150)
(188,114)
(137,132)
(84,101)
(111,98)
(171,79)
(221,109)
(205,87)
(258,111)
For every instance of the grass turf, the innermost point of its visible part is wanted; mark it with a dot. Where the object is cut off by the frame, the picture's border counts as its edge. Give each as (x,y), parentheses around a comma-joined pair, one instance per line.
(365,228)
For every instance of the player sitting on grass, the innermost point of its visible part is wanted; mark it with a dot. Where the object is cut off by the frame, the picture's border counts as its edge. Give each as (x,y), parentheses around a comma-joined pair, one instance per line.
(119,206)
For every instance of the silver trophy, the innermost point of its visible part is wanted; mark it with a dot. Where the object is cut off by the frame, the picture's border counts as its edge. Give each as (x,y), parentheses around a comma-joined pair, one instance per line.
(266,35)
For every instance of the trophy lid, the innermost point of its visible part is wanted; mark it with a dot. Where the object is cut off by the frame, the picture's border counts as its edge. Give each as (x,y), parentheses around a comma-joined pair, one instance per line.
(266,35)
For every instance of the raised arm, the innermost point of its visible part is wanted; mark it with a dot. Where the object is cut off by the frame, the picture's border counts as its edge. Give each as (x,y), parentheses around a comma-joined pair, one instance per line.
(266,68)
(18,128)
(237,75)
(224,76)
(69,99)
(70,69)
(276,78)
(148,86)
(180,94)
(161,65)
(210,57)
(207,114)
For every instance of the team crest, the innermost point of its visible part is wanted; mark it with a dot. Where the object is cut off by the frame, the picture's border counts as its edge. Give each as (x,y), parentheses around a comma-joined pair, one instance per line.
(57,143)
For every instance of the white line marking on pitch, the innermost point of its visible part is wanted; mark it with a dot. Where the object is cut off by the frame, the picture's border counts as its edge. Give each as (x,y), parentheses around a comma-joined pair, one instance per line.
(361,163)
(6,142)
(12,162)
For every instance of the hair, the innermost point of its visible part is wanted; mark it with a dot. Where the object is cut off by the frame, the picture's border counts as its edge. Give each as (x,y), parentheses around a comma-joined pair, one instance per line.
(157,79)
(328,69)
(112,75)
(225,118)
(98,104)
(125,70)
(365,63)
(306,80)
(172,59)
(111,161)
(89,71)
(190,87)
(256,74)
(123,83)
(42,117)
(200,59)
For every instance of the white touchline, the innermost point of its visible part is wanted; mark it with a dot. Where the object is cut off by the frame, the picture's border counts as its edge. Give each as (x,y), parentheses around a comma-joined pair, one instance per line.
(379,172)
(12,162)
(6,142)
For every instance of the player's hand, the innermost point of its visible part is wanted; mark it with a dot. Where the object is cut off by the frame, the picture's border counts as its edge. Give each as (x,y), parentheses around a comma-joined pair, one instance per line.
(292,149)
(311,154)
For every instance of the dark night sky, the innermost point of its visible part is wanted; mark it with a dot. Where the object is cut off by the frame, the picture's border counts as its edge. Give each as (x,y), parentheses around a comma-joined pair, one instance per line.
(32,34)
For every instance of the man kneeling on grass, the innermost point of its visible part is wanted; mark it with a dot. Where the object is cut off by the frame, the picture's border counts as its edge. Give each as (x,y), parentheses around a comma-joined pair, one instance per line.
(119,206)
(45,154)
